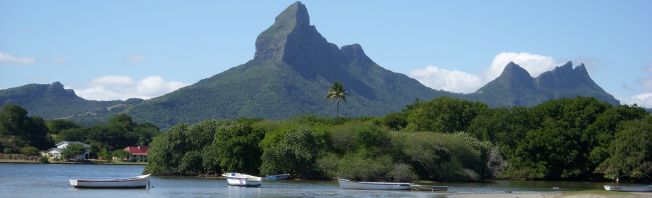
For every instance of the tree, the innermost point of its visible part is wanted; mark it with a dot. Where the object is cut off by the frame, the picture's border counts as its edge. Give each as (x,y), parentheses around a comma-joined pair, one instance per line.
(15,122)
(72,151)
(29,151)
(630,152)
(301,147)
(337,93)
(120,154)
(191,163)
(121,122)
(443,114)
(56,126)
(237,147)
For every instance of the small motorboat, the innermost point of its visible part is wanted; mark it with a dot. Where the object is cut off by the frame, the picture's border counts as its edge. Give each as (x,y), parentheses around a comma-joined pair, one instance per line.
(141,181)
(353,185)
(244,180)
(278,177)
(628,188)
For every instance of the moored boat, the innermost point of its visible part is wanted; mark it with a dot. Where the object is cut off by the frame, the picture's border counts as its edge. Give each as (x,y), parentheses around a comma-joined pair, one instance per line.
(628,188)
(353,185)
(239,179)
(141,181)
(278,177)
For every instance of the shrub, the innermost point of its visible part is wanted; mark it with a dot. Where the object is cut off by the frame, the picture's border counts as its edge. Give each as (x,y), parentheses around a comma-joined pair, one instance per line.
(29,151)
(43,160)
(402,172)
(120,154)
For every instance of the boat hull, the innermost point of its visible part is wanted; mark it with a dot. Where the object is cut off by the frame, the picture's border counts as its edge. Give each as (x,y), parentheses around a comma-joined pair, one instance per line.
(133,182)
(647,188)
(278,177)
(352,185)
(243,180)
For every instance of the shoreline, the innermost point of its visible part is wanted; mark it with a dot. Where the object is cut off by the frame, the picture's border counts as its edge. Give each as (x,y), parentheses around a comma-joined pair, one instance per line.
(4,161)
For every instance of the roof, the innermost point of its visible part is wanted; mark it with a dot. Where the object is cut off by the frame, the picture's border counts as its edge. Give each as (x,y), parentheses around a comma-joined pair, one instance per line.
(53,149)
(137,150)
(72,142)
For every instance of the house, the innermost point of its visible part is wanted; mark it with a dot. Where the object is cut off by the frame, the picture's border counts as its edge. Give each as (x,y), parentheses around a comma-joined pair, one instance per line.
(59,147)
(137,153)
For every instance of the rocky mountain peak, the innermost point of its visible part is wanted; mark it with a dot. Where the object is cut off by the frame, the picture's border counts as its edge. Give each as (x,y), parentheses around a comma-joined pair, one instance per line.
(271,43)
(354,52)
(514,70)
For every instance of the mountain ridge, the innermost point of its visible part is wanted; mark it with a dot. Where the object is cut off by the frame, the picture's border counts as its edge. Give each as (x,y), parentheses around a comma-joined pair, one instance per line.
(515,86)
(290,72)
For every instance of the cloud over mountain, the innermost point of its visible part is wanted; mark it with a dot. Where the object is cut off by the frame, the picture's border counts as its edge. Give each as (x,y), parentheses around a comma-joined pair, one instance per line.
(449,80)
(463,82)
(112,87)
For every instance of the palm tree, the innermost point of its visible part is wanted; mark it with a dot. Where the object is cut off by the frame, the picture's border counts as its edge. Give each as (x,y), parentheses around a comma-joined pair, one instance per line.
(337,93)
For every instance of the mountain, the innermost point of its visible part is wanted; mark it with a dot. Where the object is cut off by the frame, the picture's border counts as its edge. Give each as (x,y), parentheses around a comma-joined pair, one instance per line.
(52,101)
(290,74)
(515,86)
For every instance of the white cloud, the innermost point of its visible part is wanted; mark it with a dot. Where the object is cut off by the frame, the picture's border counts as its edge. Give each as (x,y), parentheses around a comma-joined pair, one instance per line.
(10,59)
(124,87)
(462,82)
(449,80)
(643,100)
(535,64)
(136,58)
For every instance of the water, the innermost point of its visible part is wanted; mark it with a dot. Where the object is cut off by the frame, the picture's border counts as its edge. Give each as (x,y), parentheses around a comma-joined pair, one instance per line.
(51,180)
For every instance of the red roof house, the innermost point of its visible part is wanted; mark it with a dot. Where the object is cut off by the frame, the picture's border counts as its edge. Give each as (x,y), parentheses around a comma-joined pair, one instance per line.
(137,152)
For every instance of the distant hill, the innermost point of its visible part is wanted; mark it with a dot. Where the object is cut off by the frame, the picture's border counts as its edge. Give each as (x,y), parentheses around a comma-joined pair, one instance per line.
(292,69)
(515,86)
(52,101)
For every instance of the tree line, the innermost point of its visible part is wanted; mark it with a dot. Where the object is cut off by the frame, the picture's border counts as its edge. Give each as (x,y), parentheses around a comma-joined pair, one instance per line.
(20,133)
(443,139)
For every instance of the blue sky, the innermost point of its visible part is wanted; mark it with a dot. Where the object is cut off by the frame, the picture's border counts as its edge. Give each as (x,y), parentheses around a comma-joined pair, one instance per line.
(119,49)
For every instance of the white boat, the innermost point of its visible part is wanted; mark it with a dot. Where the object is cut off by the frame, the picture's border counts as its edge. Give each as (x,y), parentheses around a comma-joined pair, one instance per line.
(278,177)
(353,185)
(628,188)
(141,181)
(239,179)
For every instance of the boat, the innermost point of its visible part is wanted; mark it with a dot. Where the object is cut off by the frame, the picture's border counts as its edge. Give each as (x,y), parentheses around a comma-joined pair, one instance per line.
(141,181)
(244,180)
(354,185)
(628,188)
(278,177)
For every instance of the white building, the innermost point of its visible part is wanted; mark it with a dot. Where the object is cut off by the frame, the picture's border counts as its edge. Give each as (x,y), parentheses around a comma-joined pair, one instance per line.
(56,151)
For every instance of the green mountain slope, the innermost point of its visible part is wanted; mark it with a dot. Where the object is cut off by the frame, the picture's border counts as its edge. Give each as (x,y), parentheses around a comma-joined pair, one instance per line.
(53,101)
(292,69)
(515,87)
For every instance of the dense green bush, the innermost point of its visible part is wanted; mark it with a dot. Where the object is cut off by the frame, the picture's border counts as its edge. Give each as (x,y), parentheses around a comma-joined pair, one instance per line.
(300,146)
(565,139)
(29,151)
(630,155)
(72,150)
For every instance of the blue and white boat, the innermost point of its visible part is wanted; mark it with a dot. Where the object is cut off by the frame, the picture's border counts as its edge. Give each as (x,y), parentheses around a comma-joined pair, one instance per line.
(278,177)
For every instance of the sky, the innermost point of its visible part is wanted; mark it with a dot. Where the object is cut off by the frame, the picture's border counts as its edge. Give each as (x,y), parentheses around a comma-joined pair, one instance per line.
(107,50)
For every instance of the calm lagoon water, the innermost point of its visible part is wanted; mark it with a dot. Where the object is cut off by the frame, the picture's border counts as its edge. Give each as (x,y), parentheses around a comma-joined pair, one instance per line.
(51,180)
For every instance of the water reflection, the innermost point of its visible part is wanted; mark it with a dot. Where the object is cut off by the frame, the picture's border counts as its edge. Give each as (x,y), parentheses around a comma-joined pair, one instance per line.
(43,180)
